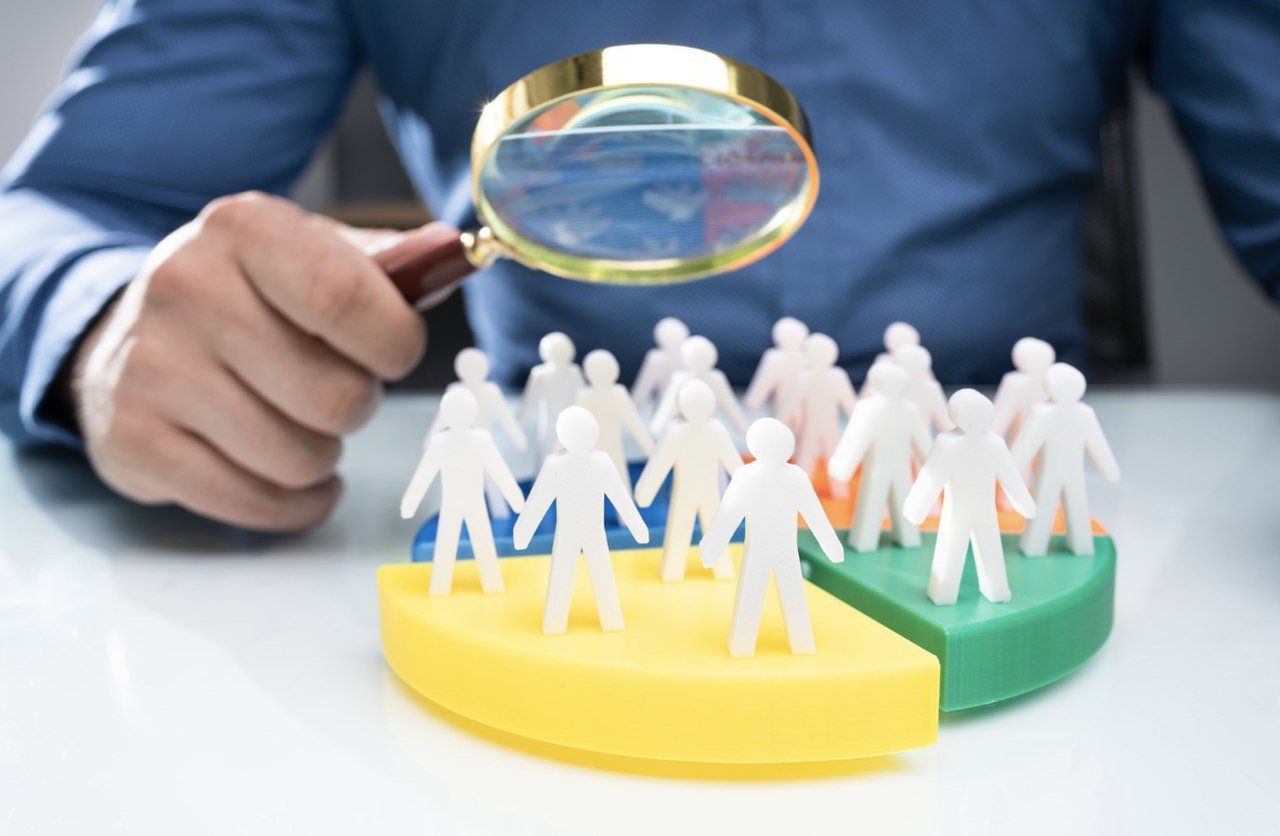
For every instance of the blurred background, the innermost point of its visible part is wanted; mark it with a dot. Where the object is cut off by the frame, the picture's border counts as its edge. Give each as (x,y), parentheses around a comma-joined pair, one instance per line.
(1167,300)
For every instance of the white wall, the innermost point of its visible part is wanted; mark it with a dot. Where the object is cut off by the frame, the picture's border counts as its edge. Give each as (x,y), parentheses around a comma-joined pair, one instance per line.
(1209,323)
(36,37)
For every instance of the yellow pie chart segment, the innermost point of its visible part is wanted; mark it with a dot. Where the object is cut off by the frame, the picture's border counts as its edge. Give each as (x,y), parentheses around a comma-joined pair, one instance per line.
(665,688)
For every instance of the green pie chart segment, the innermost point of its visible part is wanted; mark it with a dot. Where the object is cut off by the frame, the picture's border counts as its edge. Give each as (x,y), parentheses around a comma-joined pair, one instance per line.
(1060,615)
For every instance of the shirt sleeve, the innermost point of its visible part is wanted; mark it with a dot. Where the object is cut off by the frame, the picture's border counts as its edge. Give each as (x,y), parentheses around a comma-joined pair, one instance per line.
(168,104)
(1217,64)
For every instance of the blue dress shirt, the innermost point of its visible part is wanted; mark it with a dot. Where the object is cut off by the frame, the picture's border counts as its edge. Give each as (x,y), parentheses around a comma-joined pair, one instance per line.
(957,142)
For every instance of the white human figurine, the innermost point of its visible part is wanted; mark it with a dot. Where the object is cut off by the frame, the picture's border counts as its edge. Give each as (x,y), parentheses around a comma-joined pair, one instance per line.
(578,480)
(695,447)
(1062,431)
(660,362)
(884,431)
(472,368)
(1022,388)
(769,493)
(821,392)
(895,335)
(553,385)
(965,465)
(923,389)
(779,367)
(610,404)
(461,454)
(699,356)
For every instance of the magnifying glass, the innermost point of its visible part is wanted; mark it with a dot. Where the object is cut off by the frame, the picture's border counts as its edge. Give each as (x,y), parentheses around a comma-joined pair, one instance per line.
(637,164)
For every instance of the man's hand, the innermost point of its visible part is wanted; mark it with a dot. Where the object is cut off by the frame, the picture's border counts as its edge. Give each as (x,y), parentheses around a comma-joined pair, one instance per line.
(227,372)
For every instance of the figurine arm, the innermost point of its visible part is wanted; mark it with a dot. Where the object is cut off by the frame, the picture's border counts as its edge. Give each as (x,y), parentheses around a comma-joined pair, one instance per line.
(621,500)
(646,382)
(789,400)
(666,407)
(1004,405)
(1099,450)
(939,407)
(852,447)
(845,395)
(918,428)
(763,382)
(496,467)
(729,402)
(502,412)
(1030,437)
(726,450)
(541,495)
(631,418)
(812,513)
(928,485)
(1010,478)
(655,470)
(529,398)
(423,476)
(715,539)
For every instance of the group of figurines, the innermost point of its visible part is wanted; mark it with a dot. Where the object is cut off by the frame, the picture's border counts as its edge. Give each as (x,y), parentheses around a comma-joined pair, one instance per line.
(1037,426)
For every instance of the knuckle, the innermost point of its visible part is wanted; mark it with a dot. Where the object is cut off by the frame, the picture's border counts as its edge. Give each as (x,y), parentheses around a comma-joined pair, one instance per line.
(176,279)
(238,212)
(346,401)
(407,349)
(331,294)
(313,462)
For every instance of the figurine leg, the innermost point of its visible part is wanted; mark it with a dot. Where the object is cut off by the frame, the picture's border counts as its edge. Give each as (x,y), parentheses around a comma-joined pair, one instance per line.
(906,534)
(988,557)
(446,552)
(1035,534)
(486,554)
(949,551)
(1075,507)
(795,608)
(600,570)
(864,534)
(679,537)
(564,565)
(722,569)
(748,606)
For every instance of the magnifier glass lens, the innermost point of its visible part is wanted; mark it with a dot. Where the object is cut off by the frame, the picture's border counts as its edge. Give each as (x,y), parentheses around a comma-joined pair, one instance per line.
(639,174)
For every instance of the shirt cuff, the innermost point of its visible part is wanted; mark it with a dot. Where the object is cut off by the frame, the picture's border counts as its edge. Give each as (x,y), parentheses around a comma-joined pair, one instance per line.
(85,289)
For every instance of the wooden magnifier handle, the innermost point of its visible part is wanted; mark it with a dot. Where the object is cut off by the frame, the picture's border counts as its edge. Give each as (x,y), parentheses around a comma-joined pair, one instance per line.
(425,261)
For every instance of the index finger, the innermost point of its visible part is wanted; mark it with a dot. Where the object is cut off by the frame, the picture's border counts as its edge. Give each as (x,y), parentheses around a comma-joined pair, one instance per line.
(328,287)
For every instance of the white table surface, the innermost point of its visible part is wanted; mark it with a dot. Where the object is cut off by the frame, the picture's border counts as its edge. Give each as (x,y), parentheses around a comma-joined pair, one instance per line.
(160,674)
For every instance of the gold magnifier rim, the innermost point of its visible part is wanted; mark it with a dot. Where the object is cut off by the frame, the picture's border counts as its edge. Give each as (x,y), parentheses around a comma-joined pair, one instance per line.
(639,65)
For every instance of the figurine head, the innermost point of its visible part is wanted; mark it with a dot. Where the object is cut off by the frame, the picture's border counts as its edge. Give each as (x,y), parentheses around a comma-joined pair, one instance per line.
(557,348)
(899,334)
(471,365)
(1032,356)
(1064,383)
(915,359)
(971,411)
(600,367)
(888,378)
(577,430)
(458,409)
(697,401)
(789,333)
(699,354)
(669,333)
(770,441)
(820,351)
